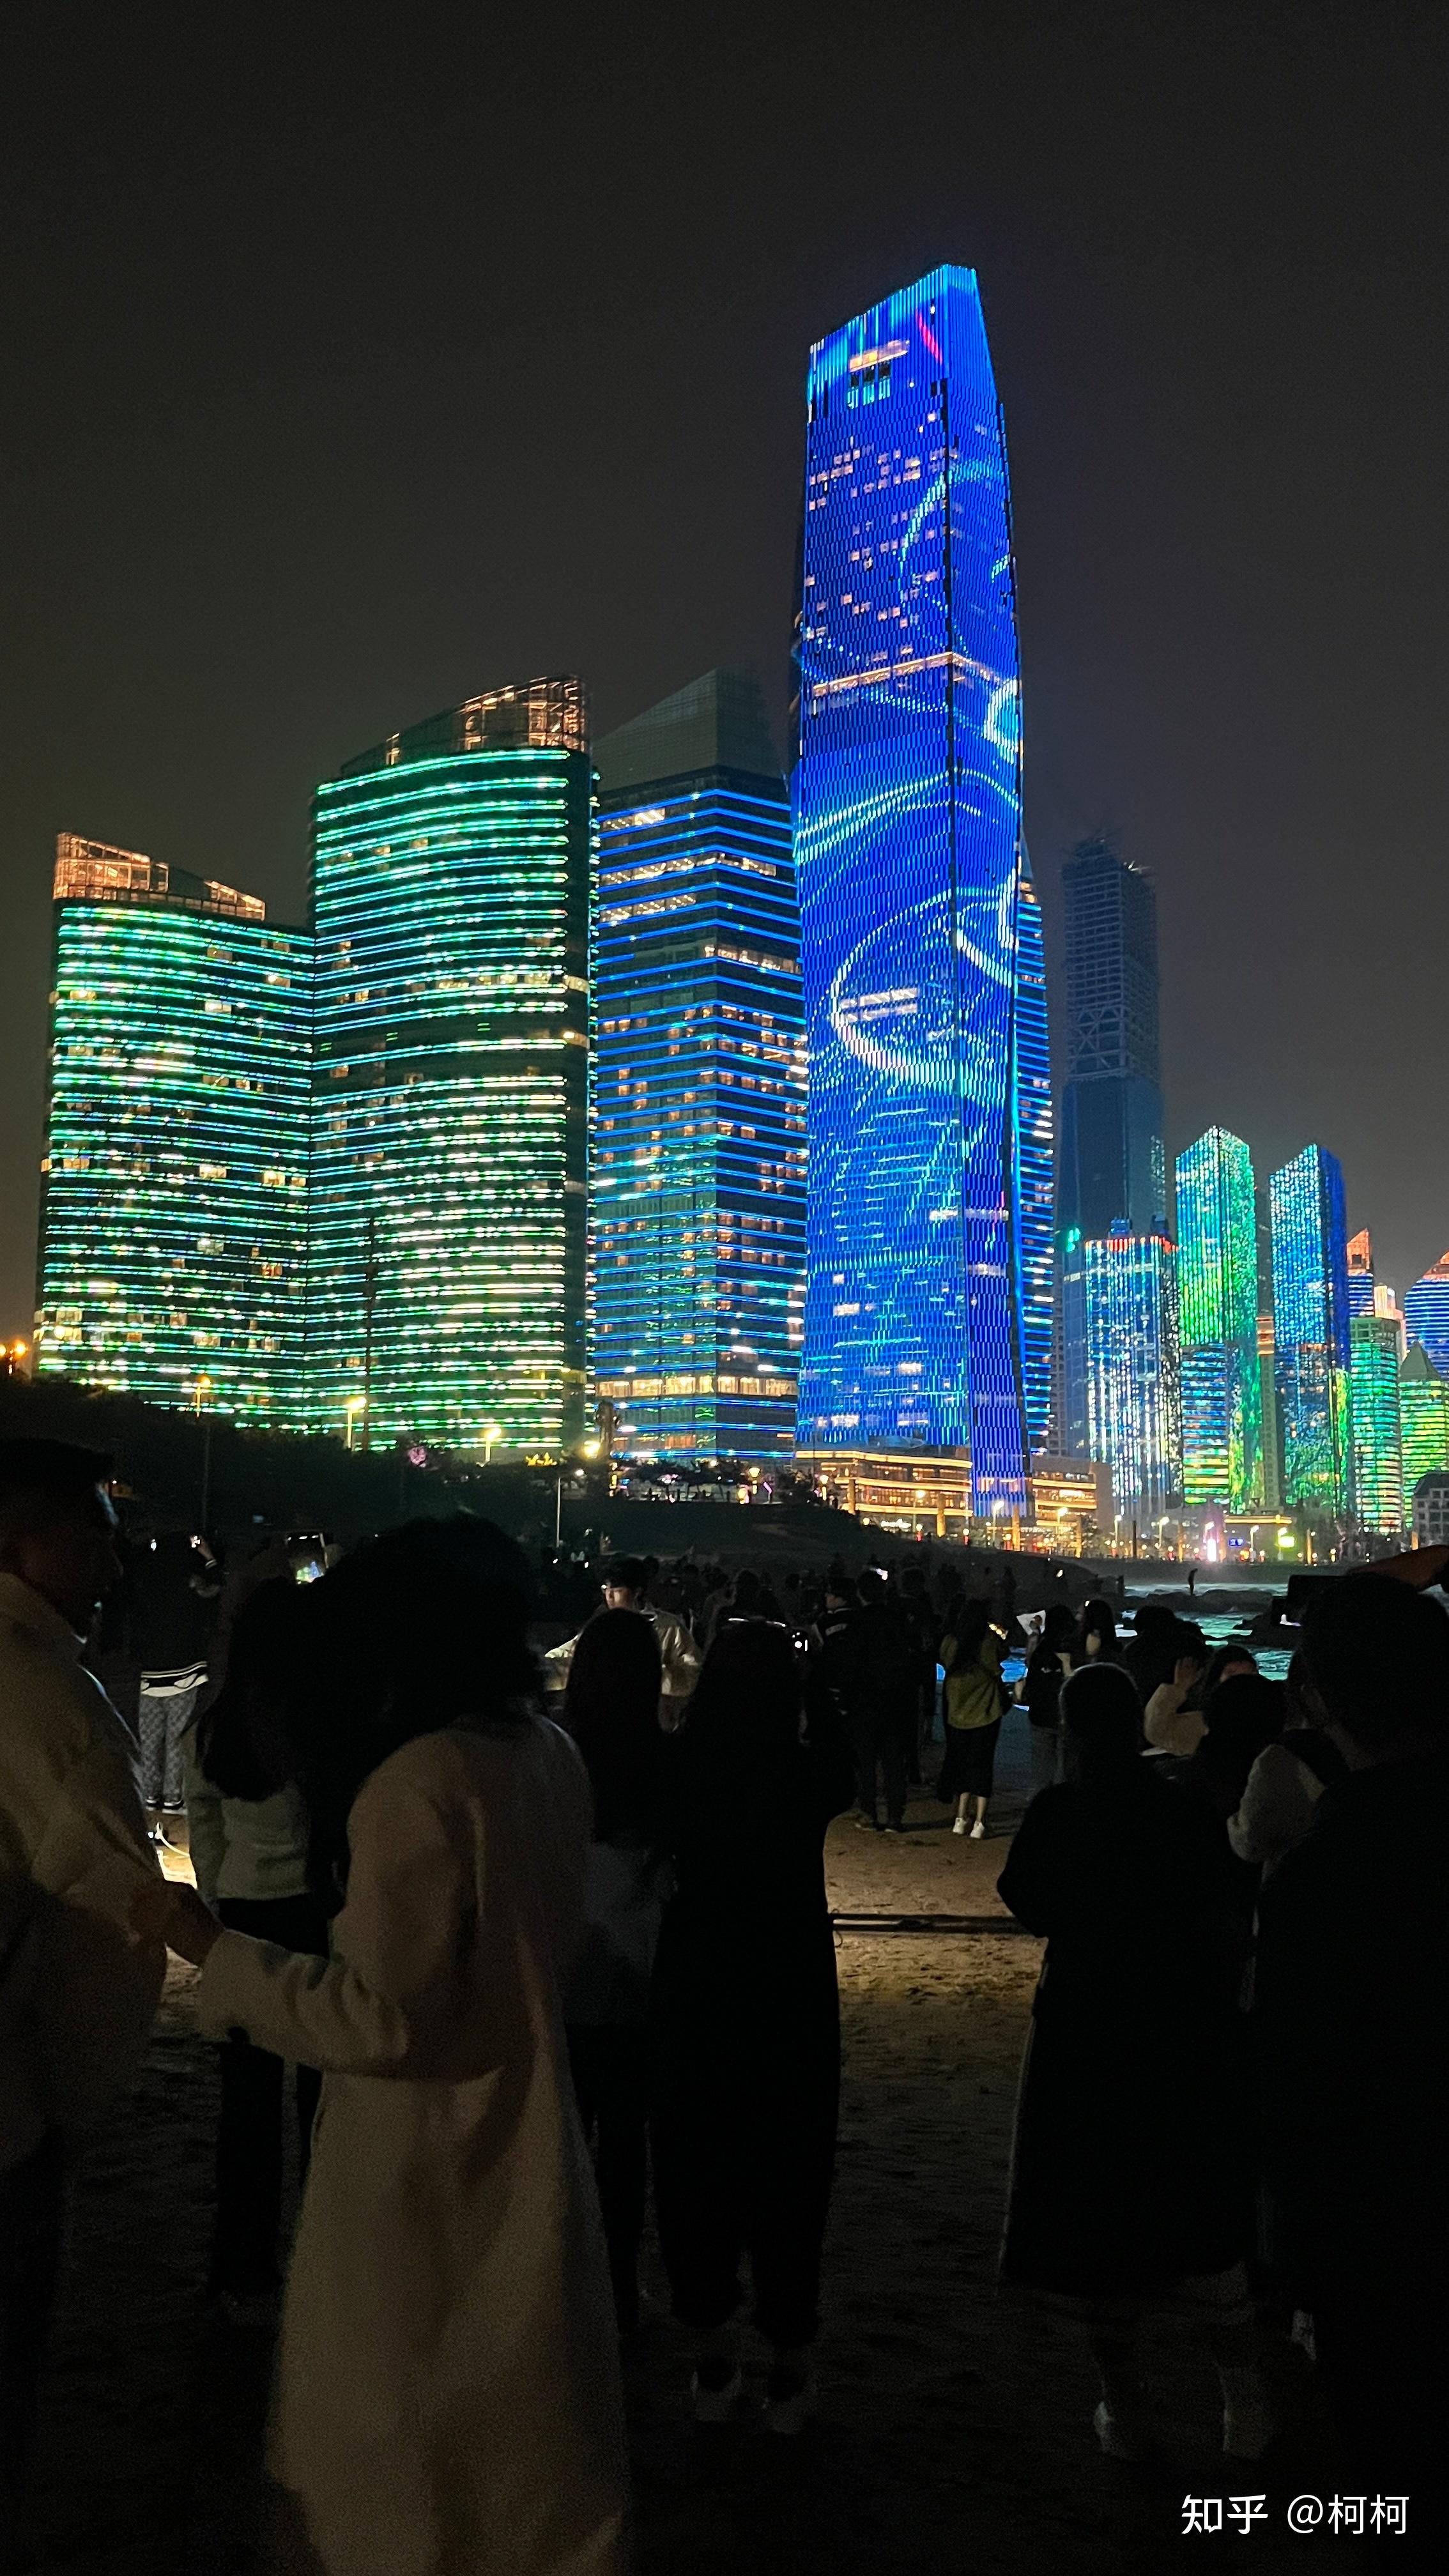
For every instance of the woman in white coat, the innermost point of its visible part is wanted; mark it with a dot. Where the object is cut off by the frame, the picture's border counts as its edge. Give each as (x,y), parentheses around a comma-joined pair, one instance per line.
(448,2399)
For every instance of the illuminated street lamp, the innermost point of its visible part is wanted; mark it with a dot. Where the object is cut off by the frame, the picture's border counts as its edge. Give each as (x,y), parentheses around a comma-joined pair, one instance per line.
(587,1449)
(203,1390)
(492,1431)
(356,1404)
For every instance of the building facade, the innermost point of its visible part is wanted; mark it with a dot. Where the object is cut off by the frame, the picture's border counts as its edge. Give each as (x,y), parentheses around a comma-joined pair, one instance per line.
(1423,1417)
(174,1209)
(1361,1284)
(1312,1354)
(450,886)
(1120,1322)
(1217,1277)
(697,1194)
(1378,1465)
(927,1312)
(1430,1506)
(1426,1313)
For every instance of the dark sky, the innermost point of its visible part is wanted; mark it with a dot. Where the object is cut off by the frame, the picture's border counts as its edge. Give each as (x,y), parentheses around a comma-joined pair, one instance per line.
(355,360)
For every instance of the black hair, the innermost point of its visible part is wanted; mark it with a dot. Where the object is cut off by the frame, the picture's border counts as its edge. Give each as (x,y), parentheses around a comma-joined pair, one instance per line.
(973,1618)
(270,1642)
(749,1699)
(625,1573)
(1377,1654)
(1097,1619)
(47,1480)
(1103,1719)
(611,1709)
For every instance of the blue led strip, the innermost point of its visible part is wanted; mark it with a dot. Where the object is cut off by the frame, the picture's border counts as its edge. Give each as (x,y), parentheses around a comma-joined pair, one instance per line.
(926,1305)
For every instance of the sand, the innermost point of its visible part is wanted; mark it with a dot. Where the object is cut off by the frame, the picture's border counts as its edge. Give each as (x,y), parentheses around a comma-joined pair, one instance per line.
(954,2430)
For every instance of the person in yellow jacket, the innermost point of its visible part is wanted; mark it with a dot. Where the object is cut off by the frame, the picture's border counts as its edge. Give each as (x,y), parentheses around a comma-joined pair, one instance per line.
(975,1699)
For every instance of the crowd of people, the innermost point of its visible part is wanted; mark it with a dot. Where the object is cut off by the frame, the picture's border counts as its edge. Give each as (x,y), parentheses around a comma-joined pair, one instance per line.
(548,1932)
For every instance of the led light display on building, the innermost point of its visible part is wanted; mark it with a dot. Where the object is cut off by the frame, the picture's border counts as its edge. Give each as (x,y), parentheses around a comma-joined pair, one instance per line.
(1378,1467)
(698,1168)
(1312,1358)
(1426,1313)
(928,1235)
(449,1147)
(1119,1299)
(174,1211)
(1423,1417)
(1217,1284)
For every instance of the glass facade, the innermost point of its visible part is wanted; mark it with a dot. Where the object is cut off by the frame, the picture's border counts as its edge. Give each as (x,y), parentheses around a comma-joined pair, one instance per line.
(698,1167)
(1217,1276)
(451,877)
(1378,1468)
(1423,1417)
(1119,1300)
(924,1261)
(174,1213)
(1312,1358)
(1426,1313)
(1360,1274)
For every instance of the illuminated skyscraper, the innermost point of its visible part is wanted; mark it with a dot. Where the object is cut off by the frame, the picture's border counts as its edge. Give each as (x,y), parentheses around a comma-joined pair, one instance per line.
(928,1235)
(1423,1417)
(1426,1313)
(174,1212)
(446,1262)
(1217,1280)
(698,1172)
(1378,1468)
(1311,1333)
(1119,1301)
(1360,1273)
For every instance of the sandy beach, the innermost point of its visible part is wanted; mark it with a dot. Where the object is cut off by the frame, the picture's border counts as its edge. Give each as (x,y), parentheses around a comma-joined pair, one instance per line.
(954,2429)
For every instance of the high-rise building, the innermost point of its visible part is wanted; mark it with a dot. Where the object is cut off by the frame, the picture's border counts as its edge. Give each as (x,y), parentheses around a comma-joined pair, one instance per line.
(1112,1168)
(1217,1285)
(698,1166)
(928,1239)
(1423,1416)
(1360,1273)
(1268,1407)
(174,1216)
(1311,1334)
(450,887)
(1119,1299)
(1426,1313)
(1378,1467)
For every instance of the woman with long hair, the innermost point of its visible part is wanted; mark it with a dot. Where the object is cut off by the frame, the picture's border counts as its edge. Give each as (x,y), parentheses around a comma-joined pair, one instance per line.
(448,2394)
(1131,2180)
(612,1711)
(747,2016)
(1039,1691)
(975,1702)
(1097,1635)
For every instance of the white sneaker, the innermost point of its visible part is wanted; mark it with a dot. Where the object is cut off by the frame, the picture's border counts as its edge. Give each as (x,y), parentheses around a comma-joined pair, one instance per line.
(717,2405)
(790,2412)
(959,1827)
(978,1831)
(1121,2438)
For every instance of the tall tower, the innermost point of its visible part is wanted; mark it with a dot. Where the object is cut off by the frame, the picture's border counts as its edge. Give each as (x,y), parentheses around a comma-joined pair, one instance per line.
(1113,1169)
(698,1165)
(1376,1342)
(450,885)
(928,1239)
(1217,1280)
(1312,1353)
(174,1216)
(1426,1313)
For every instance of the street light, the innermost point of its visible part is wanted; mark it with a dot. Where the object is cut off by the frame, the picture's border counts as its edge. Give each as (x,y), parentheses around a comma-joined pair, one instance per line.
(355,1405)
(587,1449)
(491,1431)
(203,1390)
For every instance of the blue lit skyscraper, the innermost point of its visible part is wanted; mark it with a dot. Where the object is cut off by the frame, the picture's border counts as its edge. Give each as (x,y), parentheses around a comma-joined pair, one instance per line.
(1112,1166)
(1312,1351)
(1426,1313)
(1119,1301)
(928,1244)
(698,1165)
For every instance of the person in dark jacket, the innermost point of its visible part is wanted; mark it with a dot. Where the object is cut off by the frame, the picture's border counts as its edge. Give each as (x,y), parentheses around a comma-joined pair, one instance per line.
(1353,2041)
(1131,2177)
(883,1700)
(1040,1692)
(746,2015)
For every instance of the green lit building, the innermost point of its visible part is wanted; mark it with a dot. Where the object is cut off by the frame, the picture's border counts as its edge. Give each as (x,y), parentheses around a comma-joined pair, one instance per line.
(1312,1353)
(1378,1467)
(1423,1417)
(450,890)
(173,1219)
(1217,1284)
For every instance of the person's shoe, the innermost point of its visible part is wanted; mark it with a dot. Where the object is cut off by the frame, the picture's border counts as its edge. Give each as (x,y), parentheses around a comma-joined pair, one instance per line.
(959,1825)
(716,2388)
(1122,2437)
(866,1825)
(978,1831)
(895,1825)
(789,2401)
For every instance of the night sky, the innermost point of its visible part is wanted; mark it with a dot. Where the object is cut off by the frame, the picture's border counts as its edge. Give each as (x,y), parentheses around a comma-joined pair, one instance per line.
(355,361)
